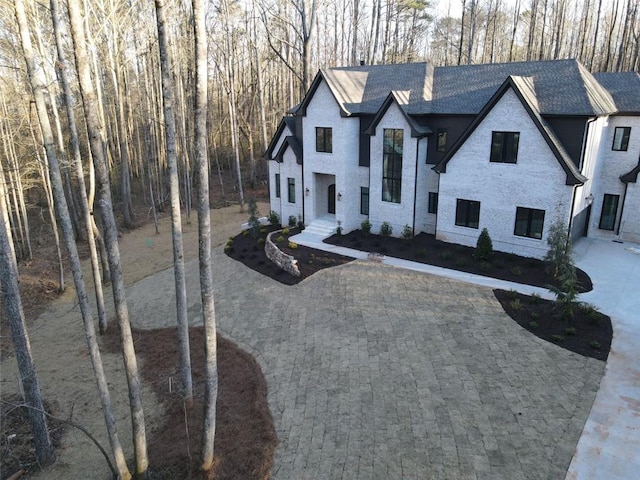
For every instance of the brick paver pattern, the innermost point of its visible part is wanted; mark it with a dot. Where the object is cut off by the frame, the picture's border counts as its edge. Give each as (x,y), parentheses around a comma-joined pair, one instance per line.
(375,372)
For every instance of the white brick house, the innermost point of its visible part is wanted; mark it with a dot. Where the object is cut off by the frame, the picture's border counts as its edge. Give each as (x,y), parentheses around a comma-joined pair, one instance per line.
(451,150)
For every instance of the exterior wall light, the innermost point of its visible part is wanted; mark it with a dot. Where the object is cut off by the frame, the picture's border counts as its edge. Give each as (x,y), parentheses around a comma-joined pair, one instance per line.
(306,191)
(589,199)
(339,196)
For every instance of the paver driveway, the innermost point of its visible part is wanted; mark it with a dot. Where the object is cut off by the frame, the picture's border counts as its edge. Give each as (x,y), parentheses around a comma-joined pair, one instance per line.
(379,372)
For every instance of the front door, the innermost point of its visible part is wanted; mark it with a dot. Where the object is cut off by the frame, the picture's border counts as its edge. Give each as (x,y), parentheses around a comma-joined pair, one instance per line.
(332,198)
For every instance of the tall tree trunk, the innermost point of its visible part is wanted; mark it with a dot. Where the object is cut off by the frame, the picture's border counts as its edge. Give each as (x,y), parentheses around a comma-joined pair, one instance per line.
(10,296)
(111,236)
(204,237)
(37,86)
(85,208)
(176,220)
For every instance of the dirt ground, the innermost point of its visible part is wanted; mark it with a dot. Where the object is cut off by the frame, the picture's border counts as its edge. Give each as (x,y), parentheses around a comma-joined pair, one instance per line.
(62,361)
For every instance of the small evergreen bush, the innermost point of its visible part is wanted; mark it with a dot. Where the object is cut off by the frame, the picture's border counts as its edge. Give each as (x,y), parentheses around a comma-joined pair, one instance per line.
(386,229)
(484,246)
(292,220)
(274,218)
(366,227)
(407,232)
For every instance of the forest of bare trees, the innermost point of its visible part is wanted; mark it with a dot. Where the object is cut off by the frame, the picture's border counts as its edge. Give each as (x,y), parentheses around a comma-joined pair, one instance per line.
(128,106)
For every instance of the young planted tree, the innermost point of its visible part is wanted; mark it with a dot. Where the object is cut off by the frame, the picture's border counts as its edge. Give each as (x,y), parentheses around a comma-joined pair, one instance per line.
(176,220)
(204,237)
(90,108)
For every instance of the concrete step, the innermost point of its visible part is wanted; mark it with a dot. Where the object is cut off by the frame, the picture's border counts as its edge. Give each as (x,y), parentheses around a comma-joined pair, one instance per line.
(321,228)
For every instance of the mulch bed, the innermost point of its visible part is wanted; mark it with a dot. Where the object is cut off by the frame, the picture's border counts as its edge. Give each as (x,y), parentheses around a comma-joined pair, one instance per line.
(250,251)
(424,248)
(245,433)
(588,333)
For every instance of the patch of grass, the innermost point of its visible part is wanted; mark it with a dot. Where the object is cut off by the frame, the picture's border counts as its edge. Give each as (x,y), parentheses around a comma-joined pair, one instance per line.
(534,299)
(534,314)
(512,294)
(558,338)
(595,345)
(516,304)
(534,325)
(516,271)
(569,331)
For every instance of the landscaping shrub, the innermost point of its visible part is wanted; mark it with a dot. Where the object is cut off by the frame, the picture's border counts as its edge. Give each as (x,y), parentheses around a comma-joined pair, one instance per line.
(386,229)
(484,246)
(407,232)
(274,218)
(366,227)
(254,223)
(292,220)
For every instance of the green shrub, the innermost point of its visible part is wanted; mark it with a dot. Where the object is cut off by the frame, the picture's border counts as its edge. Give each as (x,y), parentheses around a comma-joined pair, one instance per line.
(254,223)
(516,305)
(293,245)
(292,220)
(534,299)
(300,223)
(280,239)
(274,218)
(339,231)
(285,231)
(366,227)
(534,314)
(557,338)
(533,324)
(261,241)
(407,232)
(386,229)
(245,233)
(516,271)
(512,294)
(484,246)
(570,331)
(595,345)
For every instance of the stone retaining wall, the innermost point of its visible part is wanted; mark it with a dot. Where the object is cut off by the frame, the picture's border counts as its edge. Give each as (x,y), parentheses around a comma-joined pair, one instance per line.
(286,262)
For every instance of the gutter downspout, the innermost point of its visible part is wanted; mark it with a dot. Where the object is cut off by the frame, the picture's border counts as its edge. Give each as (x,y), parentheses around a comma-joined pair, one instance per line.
(624,197)
(415,186)
(575,187)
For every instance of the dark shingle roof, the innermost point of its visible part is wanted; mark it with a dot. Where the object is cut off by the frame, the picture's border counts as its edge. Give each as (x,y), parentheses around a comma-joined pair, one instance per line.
(624,87)
(563,87)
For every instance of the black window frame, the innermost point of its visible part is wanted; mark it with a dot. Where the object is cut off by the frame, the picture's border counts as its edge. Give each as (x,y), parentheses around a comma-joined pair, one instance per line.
(504,147)
(392,164)
(624,140)
(364,205)
(530,216)
(441,140)
(608,218)
(432,207)
(278,193)
(324,139)
(291,190)
(466,211)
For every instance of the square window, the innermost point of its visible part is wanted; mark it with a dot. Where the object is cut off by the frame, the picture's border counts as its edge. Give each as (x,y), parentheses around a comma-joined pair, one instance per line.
(621,139)
(433,202)
(441,140)
(609,211)
(529,222)
(277,185)
(467,213)
(324,139)
(364,200)
(291,190)
(504,147)
(392,165)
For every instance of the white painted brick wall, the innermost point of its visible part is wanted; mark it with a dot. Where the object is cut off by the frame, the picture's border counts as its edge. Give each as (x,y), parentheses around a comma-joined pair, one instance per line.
(324,111)
(536,181)
(630,229)
(397,214)
(611,165)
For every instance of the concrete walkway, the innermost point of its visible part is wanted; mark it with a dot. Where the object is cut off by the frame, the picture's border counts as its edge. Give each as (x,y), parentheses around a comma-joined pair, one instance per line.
(610,442)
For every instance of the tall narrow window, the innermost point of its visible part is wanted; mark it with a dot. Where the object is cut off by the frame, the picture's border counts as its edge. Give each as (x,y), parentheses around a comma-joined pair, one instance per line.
(441,140)
(621,139)
(364,200)
(504,147)
(529,222)
(291,190)
(433,202)
(324,139)
(392,165)
(467,213)
(609,211)
(277,185)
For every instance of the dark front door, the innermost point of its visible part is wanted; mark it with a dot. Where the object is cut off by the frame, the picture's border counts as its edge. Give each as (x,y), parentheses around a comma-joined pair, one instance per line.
(332,198)
(586,222)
